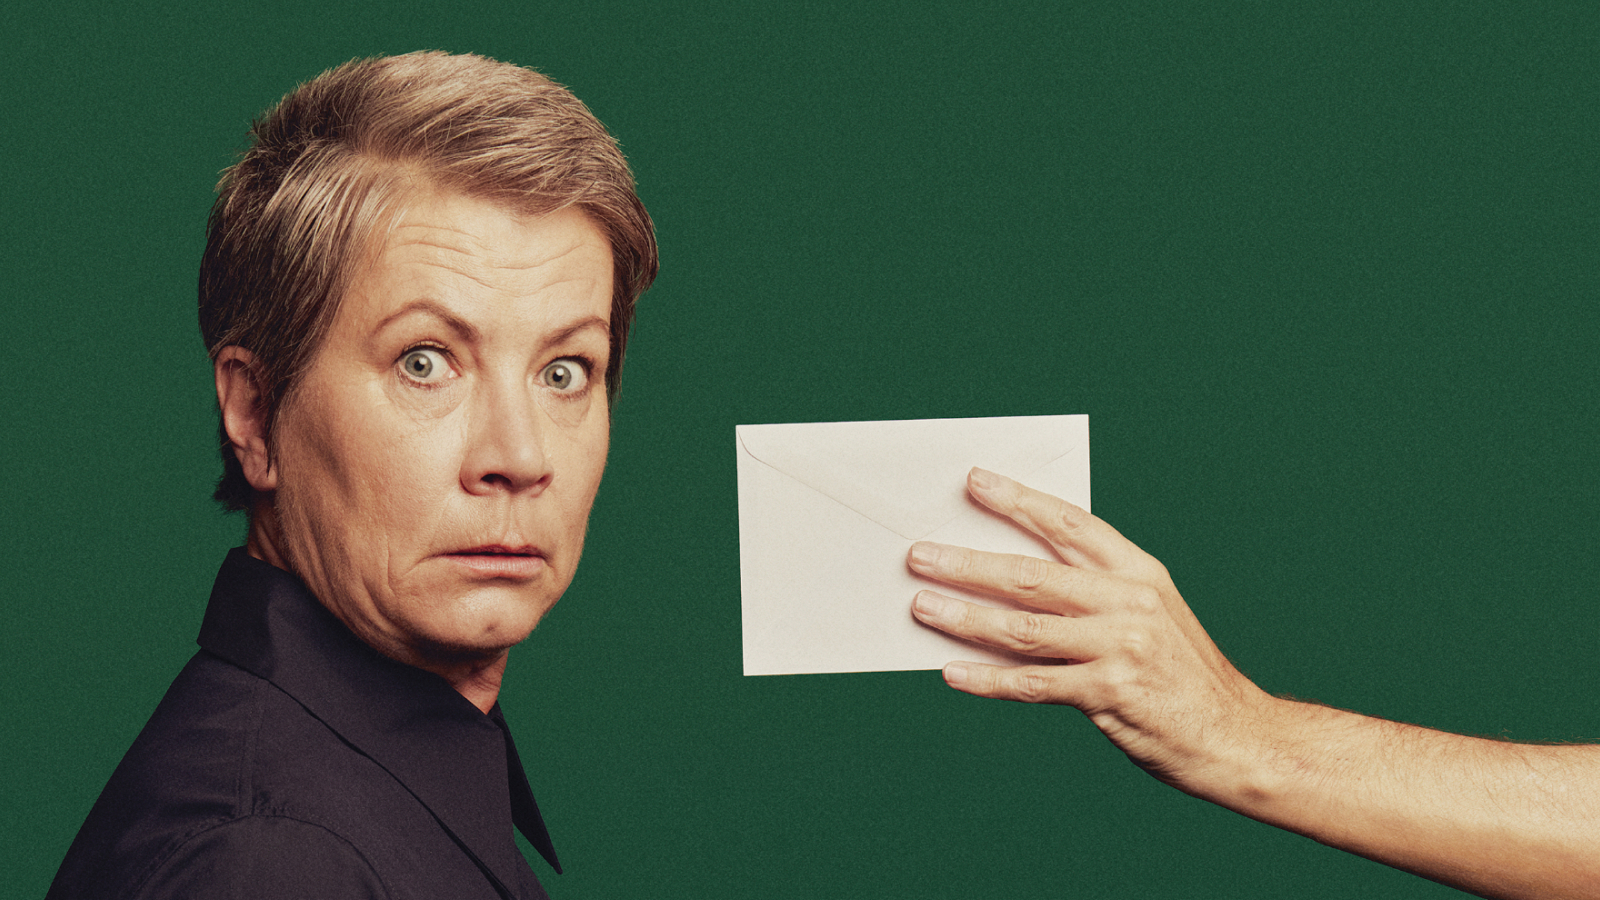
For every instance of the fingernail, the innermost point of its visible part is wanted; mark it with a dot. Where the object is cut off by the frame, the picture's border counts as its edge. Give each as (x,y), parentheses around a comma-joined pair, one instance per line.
(924,553)
(983,479)
(956,674)
(930,604)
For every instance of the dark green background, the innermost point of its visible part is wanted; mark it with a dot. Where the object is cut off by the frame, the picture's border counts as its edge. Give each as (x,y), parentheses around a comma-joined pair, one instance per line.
(1322,275)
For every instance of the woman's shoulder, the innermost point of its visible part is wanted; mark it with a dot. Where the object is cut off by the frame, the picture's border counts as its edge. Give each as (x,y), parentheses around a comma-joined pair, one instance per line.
(232,778)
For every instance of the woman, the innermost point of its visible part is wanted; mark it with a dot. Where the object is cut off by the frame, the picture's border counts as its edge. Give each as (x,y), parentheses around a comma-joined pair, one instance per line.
(416,292)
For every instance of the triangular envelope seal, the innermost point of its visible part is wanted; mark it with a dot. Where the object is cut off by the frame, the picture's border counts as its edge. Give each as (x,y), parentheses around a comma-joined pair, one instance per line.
(907,476)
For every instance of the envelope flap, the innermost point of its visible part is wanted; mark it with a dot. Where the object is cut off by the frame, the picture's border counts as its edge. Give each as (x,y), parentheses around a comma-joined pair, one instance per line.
(909,476)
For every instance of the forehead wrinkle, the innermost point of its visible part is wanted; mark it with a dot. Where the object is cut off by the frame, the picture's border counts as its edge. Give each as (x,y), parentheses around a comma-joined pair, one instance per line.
(482,279)
(472,245)
(396,238)
(556,257)
(464,272)
(479,266)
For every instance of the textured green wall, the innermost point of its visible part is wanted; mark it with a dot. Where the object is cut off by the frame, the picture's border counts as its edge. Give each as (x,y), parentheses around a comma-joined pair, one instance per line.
(1322,274)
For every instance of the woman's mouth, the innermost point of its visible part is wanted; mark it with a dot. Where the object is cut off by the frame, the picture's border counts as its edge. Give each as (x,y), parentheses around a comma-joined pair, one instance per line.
(500,561)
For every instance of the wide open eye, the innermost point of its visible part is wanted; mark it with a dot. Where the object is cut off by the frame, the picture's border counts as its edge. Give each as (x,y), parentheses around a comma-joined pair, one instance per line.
(426,365)
(566,375)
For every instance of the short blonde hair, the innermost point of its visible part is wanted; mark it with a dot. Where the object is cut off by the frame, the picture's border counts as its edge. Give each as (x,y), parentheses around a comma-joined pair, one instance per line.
(329,165)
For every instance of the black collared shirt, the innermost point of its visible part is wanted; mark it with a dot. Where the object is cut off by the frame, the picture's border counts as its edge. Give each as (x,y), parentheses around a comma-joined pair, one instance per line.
(289,759)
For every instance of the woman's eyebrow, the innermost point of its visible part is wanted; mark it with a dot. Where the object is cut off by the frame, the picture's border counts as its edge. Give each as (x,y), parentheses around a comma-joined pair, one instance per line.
(439,311)
(472,334)
(586,322)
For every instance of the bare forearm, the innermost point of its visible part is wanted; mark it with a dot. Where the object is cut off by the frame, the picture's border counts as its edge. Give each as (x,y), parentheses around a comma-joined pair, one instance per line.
(1496,818)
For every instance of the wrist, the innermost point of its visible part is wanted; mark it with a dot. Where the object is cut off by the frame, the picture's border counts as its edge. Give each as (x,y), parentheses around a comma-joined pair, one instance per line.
(1300,766)
(1254,765)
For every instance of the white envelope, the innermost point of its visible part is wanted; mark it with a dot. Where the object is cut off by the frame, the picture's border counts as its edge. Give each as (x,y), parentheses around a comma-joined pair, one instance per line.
(828,510)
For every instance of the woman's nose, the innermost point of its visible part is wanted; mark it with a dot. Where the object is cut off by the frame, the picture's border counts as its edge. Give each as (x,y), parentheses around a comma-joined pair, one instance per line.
(505,445)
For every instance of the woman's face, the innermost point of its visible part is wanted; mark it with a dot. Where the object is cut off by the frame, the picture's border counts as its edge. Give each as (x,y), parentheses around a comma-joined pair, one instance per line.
(436,464)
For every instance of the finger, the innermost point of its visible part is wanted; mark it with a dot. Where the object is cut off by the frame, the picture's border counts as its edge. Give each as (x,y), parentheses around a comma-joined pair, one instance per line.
(1028,633)
(1076,534)
(1028,580)
(1025,684)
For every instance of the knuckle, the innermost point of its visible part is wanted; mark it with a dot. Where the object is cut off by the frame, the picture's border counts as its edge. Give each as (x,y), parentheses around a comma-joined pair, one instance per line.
(1119,683)
(1145,601)
(1028,574)
(1027,631)
(1070,520)
(974,679)
(957,562)
(967,619)
(986,680)
(1134,641)
(1031,686)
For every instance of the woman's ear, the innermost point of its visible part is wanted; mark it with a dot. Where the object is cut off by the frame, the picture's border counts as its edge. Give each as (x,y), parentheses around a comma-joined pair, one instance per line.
(244,415)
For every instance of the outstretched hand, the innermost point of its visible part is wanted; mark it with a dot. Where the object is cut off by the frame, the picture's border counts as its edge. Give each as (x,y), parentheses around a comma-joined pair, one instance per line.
(1113,637)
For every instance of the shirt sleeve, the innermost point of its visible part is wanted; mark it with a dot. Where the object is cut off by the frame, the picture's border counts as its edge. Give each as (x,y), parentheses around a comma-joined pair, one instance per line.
(265,858)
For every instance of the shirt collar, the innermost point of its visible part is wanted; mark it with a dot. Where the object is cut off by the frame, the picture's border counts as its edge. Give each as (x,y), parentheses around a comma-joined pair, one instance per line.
(443,749)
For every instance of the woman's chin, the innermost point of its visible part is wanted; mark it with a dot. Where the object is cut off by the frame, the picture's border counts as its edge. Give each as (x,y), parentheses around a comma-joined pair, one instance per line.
(480,638)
